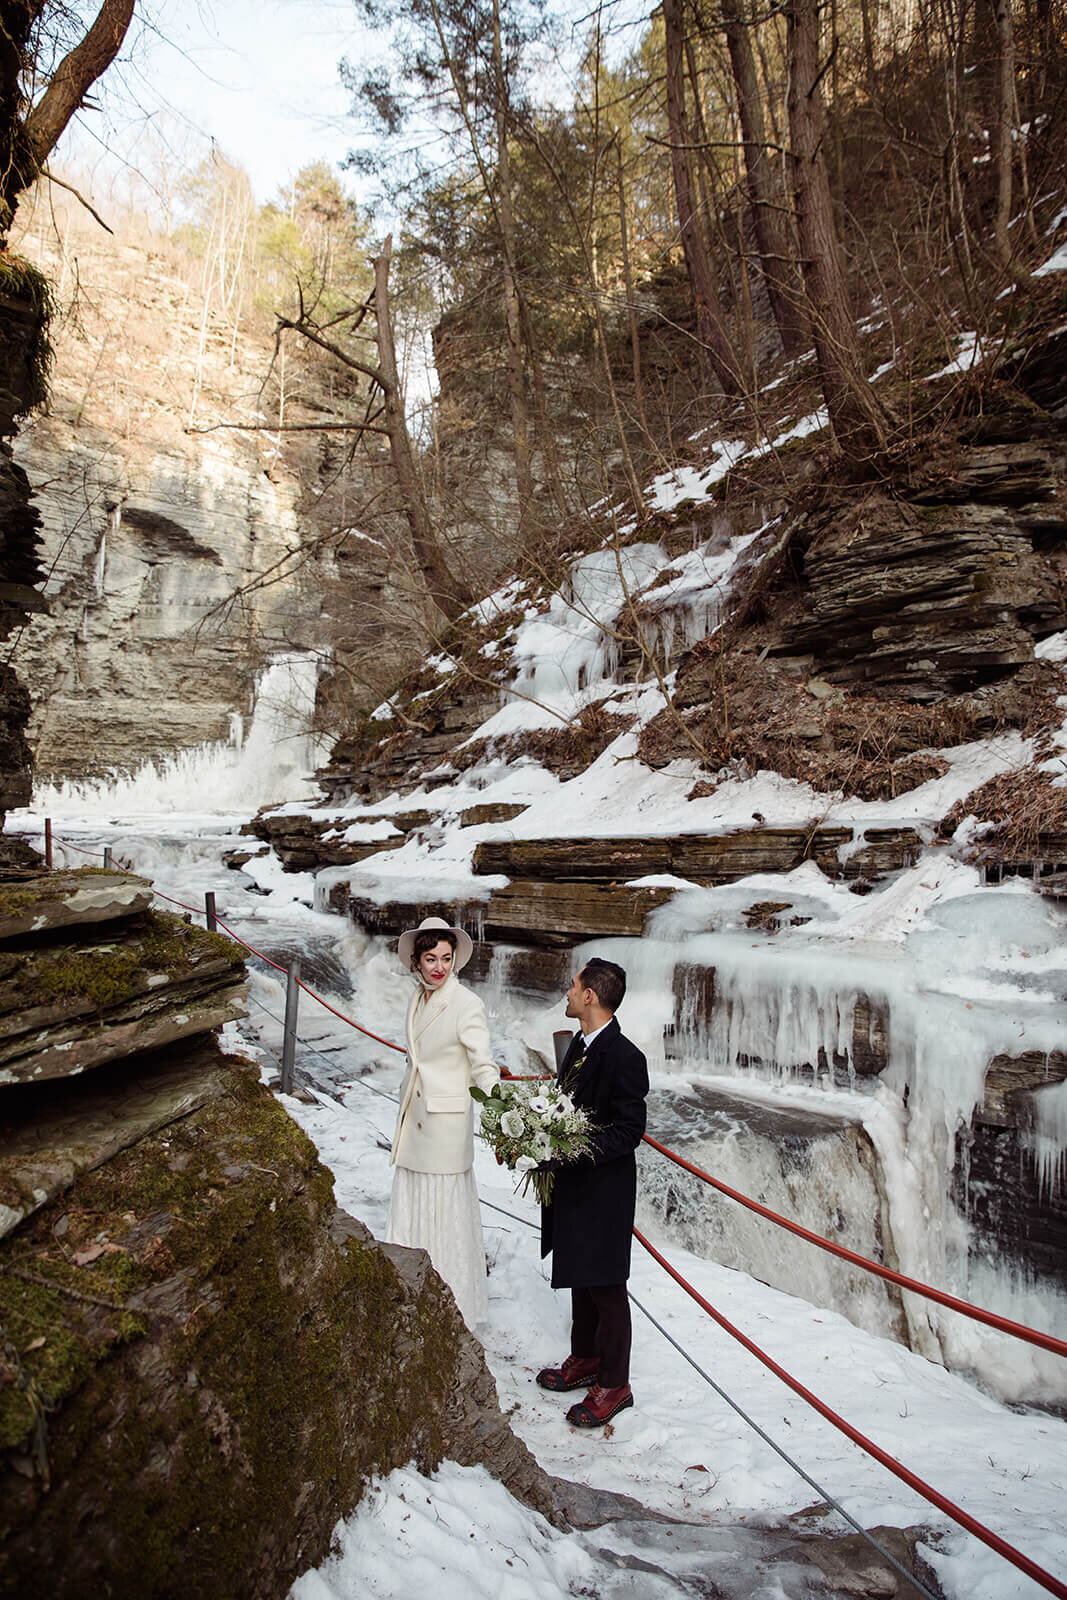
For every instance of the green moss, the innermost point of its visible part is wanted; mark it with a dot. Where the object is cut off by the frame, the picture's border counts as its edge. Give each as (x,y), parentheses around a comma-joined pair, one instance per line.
(107,975)
(16,902)
(278,1364)
(19,280)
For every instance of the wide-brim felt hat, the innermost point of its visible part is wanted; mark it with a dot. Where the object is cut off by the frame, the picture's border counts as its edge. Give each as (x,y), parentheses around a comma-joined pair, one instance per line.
(464,942)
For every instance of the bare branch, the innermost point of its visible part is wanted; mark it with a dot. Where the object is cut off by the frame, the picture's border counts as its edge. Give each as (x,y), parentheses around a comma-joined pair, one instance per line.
(45,173)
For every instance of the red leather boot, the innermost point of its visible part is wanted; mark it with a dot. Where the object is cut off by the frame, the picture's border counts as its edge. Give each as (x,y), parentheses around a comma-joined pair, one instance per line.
(577,1372)
(599,1406)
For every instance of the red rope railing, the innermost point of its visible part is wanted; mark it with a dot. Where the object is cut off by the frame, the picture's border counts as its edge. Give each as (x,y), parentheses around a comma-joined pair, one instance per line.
(912,1479)
(965,1307)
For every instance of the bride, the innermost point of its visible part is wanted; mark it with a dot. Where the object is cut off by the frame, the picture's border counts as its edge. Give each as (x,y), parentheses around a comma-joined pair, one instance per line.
(434,1201)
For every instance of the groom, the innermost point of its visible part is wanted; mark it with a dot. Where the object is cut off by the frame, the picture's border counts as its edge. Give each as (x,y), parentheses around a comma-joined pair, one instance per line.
(588,1224)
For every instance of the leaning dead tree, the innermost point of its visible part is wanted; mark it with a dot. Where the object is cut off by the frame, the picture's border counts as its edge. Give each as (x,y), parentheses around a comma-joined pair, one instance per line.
(385,416)
(28,137)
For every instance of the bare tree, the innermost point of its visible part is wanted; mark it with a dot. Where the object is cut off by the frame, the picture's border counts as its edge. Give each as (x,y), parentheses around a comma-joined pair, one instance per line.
(705,293)
(447,592)
(27,140)
(776,252)
(857,418)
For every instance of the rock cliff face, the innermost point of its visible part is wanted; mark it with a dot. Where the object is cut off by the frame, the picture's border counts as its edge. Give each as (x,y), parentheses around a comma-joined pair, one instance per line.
(21,330)
(180,554)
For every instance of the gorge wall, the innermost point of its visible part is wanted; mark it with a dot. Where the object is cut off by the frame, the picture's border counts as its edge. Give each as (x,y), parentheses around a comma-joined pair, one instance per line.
(178,561)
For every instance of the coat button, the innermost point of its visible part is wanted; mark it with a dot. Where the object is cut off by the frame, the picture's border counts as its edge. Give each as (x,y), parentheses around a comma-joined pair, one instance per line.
(418,1124)
(418,1094)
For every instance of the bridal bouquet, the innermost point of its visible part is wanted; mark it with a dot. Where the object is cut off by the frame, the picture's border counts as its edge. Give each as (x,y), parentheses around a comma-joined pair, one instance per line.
(527,1123)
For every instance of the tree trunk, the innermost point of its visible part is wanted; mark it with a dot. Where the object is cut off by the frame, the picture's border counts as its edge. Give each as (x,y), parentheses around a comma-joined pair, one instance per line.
(858,420)
(1002,142)
(777,256)
(705,295)
(631,307)
(30,141)
(520,420)
(447,593)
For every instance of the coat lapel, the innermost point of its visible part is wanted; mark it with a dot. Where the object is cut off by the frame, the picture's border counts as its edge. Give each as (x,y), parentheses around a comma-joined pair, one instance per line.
(426,1011)
(588,1067)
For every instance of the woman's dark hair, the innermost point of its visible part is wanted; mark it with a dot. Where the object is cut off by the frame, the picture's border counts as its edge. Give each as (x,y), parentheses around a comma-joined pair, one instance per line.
(607,981)
(427,939)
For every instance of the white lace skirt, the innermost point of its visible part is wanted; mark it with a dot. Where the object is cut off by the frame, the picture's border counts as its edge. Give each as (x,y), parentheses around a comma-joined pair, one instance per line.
(439,1212)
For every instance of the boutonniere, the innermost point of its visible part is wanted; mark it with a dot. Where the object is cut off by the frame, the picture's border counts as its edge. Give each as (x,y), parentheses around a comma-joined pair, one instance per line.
(572,1072)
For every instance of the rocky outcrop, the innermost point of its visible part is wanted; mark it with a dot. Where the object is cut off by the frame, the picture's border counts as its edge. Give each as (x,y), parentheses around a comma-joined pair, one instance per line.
(137,980)
(202,1361)
(922,605)
(702,857)
(695,1000)
(1013,1206)
(303,842)
(22,331)
(377,758)
(184,549)
(564,913)
(209,1360)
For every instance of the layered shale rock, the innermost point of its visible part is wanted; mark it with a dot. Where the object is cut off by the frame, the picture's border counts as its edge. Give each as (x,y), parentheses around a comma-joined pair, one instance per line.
(377,758)
(700,857)
(137,980)
(302,842)
(926,605)
(22,336)
(202,1361)
(1014,1205)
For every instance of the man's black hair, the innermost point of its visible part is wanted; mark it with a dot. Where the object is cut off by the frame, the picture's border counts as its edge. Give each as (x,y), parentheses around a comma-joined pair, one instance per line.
(607,981)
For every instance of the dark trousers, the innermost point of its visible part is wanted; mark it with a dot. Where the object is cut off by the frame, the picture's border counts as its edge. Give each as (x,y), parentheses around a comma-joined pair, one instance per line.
(600,1326)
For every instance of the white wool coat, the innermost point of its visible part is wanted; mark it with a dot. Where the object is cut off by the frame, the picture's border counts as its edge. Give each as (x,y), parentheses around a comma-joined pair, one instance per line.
(448,1050)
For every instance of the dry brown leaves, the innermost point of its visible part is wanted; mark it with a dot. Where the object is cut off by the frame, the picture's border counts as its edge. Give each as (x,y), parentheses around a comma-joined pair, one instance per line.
(739,709)
(1028,814)
(565,750)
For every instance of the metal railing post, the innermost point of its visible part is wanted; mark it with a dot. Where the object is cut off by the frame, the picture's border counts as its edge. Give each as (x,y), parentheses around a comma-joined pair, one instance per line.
(107,856)
(292,1000)
(209,911)
(561,1043)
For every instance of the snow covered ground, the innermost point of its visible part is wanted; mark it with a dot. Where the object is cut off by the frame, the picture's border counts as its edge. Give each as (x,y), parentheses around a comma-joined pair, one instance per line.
(681,1450)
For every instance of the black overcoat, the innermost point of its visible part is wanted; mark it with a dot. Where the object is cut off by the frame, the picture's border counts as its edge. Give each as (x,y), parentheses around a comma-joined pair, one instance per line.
(589,1224)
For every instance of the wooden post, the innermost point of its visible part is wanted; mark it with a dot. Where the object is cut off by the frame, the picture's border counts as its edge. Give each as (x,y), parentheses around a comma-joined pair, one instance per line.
(48,841)
(209,911)
(292,1000)
(108,863)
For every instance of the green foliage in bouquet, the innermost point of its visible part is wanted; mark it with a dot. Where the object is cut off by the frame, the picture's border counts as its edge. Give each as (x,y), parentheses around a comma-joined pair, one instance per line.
(530,1123)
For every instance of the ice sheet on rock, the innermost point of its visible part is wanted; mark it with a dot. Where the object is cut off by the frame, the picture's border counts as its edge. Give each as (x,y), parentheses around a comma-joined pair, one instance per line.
(565,654)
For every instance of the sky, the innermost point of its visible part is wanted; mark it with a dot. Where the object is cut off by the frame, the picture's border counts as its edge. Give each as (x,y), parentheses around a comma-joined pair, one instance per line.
(259,77)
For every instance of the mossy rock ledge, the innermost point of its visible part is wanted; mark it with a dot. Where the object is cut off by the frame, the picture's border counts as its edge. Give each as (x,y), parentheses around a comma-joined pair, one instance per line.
(203,1361)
